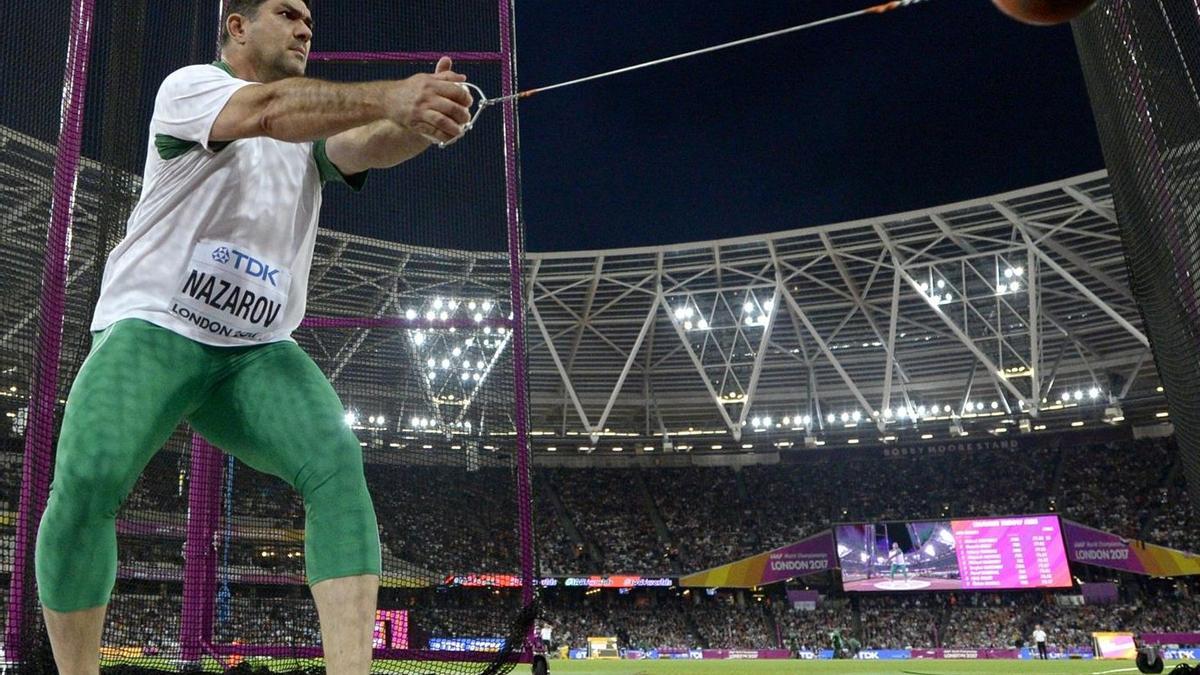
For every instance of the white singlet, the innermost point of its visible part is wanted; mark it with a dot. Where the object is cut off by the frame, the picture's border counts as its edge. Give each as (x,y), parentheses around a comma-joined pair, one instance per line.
(219,246)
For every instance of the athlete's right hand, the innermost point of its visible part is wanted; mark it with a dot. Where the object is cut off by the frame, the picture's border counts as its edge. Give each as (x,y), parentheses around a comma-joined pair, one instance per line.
(432,104)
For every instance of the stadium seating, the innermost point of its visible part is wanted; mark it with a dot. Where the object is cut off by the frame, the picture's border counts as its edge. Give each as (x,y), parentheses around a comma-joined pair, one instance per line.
(612,521)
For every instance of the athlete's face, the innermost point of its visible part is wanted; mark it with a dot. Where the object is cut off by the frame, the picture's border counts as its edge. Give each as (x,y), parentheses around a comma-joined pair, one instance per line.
(279,38)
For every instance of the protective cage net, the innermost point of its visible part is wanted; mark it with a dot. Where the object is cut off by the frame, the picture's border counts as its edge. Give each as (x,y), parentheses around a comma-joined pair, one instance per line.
(1141,61)
(409,316)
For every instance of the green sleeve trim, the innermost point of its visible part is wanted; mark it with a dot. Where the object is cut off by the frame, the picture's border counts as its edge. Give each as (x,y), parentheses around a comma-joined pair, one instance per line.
(330,172)
(223,66)
(170,147)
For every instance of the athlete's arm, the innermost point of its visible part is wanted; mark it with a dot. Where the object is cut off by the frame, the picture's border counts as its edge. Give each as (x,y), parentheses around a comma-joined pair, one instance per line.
(302,109)
(385,143)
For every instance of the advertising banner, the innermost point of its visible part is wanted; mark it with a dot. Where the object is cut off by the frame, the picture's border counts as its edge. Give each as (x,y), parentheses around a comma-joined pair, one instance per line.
(603,647)
(969,654)
(883,654)
(485,580)
(1189,639)
(391,629)
(466,644)
(706,654)
(1090,546)
(618,581)
(1114,645)
(803,600)
(807,556)
(1099,592)
(723,654)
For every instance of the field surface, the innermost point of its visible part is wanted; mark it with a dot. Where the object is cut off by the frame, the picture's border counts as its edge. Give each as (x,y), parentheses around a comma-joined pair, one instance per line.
(684,667)
(922,667)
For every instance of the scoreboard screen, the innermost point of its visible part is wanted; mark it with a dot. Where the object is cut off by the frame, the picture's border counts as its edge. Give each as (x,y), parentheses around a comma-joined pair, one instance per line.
(970,554)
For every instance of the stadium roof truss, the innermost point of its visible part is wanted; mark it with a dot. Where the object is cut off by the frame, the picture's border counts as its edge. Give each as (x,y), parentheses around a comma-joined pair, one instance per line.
(989,308)
(1012,306)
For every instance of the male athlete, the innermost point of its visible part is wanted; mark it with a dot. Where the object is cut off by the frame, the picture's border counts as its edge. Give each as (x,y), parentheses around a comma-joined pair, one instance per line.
(898,563)
(196,310)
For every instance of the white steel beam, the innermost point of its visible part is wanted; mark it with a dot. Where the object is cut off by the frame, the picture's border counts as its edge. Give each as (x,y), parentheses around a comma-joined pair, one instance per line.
(821,344)
(1091,204)
(759,356)
(953,236)
(859,301)
(950,323)
(386,300)
(27,317)
(1000,393)
(1076,260)
(587,315)
(1070,278)
(558,364)
(891,346)
(1137,368)
(966,399)
(1032,282)
(712,392)
(814,398)
(633,352)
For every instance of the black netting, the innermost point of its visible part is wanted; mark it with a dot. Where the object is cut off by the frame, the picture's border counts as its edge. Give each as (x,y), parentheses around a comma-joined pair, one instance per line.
(32,154)
(410,317)
(1141,62)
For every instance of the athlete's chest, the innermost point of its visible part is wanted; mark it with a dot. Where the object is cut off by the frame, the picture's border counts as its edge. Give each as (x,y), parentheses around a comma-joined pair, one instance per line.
(273,167)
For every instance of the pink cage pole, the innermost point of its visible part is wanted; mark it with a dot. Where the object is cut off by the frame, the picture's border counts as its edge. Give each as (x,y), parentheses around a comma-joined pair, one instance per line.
(516,262)
(200,556)
(39,451)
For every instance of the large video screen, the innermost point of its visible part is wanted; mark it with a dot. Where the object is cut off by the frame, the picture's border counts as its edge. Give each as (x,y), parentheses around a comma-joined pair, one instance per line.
(971,554)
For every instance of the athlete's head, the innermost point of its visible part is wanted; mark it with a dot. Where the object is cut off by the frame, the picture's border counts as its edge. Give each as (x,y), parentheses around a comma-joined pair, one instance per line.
(895,545)
(272,37)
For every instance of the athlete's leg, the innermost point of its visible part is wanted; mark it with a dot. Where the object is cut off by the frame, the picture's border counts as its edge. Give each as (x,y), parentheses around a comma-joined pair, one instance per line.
(278,413)
(75,639)
(346,607)
(132,391)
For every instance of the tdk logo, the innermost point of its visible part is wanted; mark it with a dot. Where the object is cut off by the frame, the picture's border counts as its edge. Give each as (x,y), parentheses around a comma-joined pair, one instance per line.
(247,264)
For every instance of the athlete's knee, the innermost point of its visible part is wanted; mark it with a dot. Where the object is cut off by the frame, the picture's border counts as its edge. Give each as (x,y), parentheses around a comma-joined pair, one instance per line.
(337,488)
(90,489)
(341,531)
(333,471)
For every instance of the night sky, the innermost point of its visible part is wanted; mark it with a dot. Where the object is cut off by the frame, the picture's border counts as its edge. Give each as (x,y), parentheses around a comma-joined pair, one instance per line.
(930,104)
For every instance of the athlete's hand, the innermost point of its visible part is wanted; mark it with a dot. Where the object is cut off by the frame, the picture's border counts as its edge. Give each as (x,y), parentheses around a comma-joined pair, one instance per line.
(433,105)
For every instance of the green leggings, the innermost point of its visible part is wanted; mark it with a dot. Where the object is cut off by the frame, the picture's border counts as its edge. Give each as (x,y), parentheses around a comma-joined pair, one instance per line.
(268,405)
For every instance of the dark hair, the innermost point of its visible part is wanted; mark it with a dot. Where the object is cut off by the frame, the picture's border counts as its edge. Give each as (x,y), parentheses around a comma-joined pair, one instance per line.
(247,8)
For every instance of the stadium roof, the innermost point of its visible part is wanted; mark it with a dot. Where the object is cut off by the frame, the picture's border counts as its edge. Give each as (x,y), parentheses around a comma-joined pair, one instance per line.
(977,315)
(992,309)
